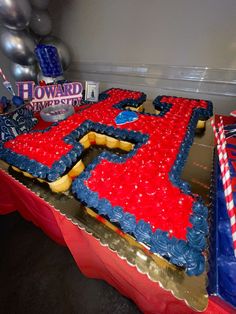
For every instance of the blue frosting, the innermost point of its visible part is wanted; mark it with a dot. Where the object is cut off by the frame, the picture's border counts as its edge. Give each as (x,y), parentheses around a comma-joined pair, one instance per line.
(116,214)
(195,262)
(143,232)
(128,223)
(104,207)
(199,223)
(93,201)
(200,209)
(160,242)
(196,238)
(178,251)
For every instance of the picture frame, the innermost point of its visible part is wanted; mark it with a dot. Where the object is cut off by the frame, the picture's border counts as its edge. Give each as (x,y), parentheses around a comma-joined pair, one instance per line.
(91,91)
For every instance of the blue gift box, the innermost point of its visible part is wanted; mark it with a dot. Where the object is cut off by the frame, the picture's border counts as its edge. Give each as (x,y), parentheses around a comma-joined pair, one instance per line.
(15,122)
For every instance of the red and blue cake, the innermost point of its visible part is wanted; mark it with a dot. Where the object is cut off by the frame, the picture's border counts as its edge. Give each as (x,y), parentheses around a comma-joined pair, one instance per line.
(141,190)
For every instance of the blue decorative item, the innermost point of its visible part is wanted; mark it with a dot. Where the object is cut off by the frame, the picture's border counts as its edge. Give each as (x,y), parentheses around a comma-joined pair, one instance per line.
(49,60)
(126,117)
(17,101)
(15,121)
(4,101)
(222,274)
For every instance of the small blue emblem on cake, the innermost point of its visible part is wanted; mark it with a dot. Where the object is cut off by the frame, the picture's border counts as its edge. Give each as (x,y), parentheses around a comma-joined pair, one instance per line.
(126,117)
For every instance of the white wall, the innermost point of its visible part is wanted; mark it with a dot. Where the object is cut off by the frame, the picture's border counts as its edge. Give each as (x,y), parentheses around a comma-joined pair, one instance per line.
(173,32)
(158,33)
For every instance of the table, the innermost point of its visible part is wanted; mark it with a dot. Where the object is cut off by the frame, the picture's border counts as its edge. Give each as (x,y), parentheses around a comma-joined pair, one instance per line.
(100,250)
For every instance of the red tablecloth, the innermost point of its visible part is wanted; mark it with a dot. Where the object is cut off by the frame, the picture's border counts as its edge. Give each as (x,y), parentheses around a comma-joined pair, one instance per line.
(93,259)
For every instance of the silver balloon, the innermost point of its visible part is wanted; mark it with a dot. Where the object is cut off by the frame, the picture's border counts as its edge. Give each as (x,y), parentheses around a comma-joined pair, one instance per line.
(40,4)
(62,49)
(15,14)
(40,22)
(24,72)
(18,46)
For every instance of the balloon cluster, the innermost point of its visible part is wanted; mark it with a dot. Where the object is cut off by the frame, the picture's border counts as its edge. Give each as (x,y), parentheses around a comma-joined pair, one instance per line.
(25,23)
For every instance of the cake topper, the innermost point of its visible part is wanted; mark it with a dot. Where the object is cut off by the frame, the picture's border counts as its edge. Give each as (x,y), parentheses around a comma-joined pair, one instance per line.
(126,117)
(42,96)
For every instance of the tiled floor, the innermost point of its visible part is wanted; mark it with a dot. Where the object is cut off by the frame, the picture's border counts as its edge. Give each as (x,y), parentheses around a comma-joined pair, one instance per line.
(40,277)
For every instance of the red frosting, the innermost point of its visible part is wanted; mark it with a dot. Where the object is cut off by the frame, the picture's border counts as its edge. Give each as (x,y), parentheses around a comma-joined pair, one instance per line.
(141,184)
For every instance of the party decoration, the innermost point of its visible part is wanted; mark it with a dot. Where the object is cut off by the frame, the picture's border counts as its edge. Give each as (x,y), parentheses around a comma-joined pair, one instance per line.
(62,49)
(9,87)
(4,104)
(24,23)
(226,178)
(48,95)
(15,121)
(126,117)
(40,4)
(24,72)
(17,101)
(18,46)
(15,14)
(6,83)
(49,60)
(40,22)
(91,91)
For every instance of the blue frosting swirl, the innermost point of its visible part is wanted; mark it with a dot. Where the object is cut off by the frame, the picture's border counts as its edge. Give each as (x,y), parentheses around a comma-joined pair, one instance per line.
(93,201)
(116,214)
(200,209)
(199,223)
(143,232)
(128,222)
(195,262)
(196,239)
(104,207)
(178,250)
(159,242)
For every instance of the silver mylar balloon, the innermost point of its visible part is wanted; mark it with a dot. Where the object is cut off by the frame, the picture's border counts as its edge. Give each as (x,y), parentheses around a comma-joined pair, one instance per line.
(40,22)
(15,14)
(62,49)
(40,4)
(24,72)
(18,46)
